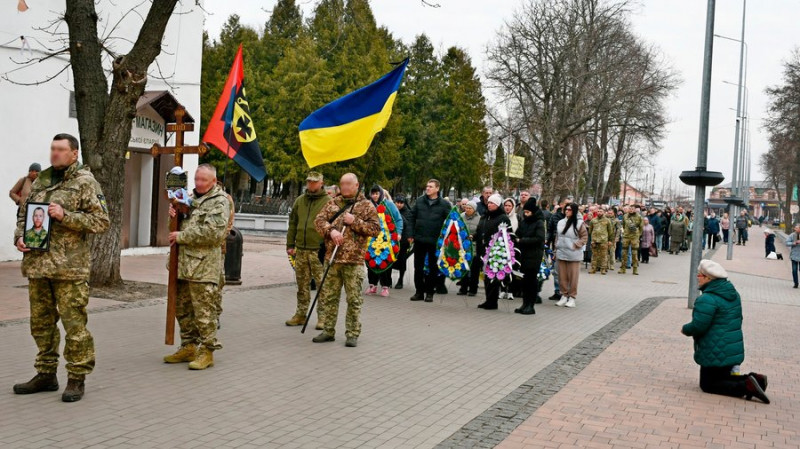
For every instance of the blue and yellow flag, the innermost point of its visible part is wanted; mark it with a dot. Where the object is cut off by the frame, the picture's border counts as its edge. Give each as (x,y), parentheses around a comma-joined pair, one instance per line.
(344,128)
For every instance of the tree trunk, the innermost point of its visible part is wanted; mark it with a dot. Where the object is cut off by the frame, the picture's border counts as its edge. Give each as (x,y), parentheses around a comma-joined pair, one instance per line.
(104,118)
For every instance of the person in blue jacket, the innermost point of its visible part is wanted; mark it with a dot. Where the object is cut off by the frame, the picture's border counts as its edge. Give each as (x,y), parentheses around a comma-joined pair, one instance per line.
(716,327)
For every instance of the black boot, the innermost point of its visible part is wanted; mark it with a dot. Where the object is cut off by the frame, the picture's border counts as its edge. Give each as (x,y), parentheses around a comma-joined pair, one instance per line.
(538,300)
(555,297)
(40,382)
(754,389)
(527,307)
(74,391)
(399,284)
(418,296)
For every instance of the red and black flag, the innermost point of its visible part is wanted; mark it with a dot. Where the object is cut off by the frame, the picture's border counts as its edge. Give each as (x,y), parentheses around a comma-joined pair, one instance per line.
(231,129)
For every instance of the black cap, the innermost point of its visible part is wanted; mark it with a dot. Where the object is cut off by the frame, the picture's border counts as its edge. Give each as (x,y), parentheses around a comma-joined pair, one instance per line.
(400,199)
(35,167)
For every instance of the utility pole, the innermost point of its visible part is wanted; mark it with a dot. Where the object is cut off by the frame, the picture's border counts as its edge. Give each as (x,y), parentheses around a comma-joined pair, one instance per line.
(736,193)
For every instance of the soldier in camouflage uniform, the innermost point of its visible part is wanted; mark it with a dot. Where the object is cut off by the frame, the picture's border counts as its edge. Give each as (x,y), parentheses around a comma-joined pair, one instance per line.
(303,242)
(613,240)
(199,269)
(352,209)
(602,232)
(632,228)
(36,236)
(58,280)
(224,248)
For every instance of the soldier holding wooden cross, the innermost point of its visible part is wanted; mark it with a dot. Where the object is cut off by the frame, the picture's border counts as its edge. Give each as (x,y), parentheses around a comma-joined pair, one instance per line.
(199,268)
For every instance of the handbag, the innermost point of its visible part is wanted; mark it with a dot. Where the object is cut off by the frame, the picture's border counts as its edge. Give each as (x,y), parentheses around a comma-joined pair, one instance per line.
(653,251)
(716,238)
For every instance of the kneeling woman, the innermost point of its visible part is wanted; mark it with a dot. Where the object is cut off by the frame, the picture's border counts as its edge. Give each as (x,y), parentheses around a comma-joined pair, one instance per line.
(718,341)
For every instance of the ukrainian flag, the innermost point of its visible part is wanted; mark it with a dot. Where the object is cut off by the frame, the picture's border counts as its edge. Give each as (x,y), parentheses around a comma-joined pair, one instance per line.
(344,129)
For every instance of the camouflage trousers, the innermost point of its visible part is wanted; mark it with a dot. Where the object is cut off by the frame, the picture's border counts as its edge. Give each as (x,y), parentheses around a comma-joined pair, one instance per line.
(306,267)
(599,256)
(351,276)
(51,300)
(218,294)
(633,244)
(610,257)
(196,310)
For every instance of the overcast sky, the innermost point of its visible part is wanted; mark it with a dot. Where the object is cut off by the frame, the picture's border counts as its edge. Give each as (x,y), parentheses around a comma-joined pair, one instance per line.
(675,26)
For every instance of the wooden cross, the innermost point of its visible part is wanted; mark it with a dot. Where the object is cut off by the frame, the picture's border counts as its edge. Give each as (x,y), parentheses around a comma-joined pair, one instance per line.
(179,149)
(179,128)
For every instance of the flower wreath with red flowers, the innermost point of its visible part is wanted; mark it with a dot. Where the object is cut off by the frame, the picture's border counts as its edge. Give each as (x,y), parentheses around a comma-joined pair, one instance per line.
(382,250)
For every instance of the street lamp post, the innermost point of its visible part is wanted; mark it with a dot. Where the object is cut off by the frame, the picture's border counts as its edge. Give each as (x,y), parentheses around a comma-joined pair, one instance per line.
(700,178)
(735,199)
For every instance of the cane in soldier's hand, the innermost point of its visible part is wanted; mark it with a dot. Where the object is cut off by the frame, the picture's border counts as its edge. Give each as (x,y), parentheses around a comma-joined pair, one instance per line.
(321,283)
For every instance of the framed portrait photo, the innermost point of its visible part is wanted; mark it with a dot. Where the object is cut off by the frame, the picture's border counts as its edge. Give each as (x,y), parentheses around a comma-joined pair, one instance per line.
(37,227)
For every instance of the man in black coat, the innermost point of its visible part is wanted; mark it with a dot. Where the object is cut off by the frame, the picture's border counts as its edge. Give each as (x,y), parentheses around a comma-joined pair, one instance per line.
(487,227)
(530,241)
(483,201)
(425,223)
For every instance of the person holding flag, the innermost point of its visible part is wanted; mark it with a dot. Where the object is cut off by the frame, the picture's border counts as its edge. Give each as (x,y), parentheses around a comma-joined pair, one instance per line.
(342,130)
(346,223)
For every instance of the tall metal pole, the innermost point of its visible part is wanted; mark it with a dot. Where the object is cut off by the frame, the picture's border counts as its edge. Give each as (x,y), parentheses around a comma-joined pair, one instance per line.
(734,180)
(702,154)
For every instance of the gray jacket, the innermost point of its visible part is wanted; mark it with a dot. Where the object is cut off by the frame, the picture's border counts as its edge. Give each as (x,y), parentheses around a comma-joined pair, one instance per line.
(569,245)
(795,248)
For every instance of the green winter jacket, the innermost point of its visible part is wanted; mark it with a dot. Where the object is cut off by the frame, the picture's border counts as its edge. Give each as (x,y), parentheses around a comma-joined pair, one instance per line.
(301,234)
(717,326)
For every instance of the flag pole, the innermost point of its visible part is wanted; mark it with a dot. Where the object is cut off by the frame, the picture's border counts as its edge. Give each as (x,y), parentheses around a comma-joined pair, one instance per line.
(227,154)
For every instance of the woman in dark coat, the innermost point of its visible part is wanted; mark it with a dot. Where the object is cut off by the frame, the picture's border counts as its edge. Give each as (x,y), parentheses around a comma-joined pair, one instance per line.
(716,327)
(530,241)
(487,227)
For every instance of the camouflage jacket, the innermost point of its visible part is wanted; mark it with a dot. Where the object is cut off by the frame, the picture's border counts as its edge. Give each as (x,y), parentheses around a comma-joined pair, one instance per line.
(632,226)
(201,237)
(602,230)
(85,213)
(364,226)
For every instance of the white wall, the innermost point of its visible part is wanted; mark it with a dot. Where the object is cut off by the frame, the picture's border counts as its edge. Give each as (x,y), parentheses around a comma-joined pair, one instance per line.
(30,116)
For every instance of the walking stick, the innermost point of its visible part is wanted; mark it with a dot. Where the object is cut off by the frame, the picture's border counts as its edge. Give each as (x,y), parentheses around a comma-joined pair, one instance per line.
(321,283)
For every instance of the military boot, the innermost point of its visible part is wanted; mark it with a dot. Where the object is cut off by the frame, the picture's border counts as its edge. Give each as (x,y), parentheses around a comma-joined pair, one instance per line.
(592,271)
(621,270)
(320,325)
(323,337)
(636,271)
(74,390)
(183,354)
(40,382)
(351,342)
(205,359)
(296,320)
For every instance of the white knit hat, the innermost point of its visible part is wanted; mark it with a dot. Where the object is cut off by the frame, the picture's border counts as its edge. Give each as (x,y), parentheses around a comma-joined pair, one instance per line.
(712,269)
(496,199)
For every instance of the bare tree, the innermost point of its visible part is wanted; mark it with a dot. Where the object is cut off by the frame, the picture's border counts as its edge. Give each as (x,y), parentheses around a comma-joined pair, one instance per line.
(782,162)
(582,86)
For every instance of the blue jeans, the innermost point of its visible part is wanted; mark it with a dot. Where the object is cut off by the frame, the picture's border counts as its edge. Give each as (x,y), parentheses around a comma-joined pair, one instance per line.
(795,267)
(554,272)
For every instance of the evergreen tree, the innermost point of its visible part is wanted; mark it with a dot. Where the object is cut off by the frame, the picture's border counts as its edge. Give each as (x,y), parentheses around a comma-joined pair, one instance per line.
(420,103)
(463,135)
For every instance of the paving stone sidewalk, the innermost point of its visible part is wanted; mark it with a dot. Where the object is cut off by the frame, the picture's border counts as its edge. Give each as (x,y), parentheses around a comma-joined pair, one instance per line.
(421,373)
